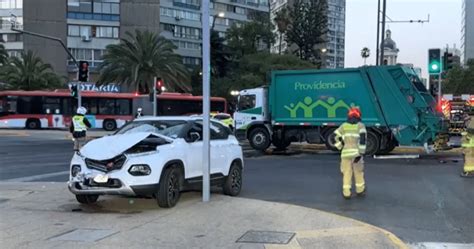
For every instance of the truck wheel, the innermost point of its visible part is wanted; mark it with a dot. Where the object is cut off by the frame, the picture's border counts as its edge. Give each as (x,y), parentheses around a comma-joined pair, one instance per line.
(373,143)
(109,125)
(281,144)
(259,138)
(390,147)
(329,139)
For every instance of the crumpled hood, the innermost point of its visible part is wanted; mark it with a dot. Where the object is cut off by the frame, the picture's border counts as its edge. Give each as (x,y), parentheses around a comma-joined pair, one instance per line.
(111,146)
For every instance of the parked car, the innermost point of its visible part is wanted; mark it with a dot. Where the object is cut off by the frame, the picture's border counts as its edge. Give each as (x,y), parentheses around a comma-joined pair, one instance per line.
(155,156)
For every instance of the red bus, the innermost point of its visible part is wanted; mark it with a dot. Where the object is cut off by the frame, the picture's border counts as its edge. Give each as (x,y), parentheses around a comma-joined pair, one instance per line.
(46,109)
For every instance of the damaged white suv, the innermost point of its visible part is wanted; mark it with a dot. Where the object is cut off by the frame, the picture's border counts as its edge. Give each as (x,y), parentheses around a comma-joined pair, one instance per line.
(155,156)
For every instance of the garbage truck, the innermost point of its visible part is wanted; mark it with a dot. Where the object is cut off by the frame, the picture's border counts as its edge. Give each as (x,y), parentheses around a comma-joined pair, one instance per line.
(308,105)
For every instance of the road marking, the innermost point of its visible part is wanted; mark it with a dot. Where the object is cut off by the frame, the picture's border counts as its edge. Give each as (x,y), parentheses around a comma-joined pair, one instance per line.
(440,245)
(36,177)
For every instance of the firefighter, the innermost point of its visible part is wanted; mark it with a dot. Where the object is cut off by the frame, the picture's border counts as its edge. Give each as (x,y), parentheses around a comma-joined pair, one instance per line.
(78,128)
(350,139)
(468,150)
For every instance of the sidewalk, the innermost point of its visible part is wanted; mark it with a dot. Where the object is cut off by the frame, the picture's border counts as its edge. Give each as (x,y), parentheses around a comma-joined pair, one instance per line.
(46,215)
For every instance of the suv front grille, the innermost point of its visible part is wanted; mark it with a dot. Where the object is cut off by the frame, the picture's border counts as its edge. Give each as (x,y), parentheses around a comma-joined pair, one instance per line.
(106,165)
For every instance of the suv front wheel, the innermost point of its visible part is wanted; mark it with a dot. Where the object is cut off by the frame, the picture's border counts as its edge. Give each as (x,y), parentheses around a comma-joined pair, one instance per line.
(170,186)
(233,182)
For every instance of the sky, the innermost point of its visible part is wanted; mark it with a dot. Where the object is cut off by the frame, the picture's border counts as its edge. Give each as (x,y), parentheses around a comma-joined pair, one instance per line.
(413,39)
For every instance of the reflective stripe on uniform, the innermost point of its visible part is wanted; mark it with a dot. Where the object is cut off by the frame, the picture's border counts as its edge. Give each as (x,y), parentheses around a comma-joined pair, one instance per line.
(360,185)
(468,168)
(79,124)
(350,153)
(362,130)
(338,145)
(350,135)
(346,186)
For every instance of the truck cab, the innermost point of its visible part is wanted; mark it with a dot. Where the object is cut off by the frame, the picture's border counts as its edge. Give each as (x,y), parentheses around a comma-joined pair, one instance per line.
(252,119)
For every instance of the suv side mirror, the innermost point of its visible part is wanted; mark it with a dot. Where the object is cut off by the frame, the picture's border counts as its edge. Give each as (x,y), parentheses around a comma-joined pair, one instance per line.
(194,136)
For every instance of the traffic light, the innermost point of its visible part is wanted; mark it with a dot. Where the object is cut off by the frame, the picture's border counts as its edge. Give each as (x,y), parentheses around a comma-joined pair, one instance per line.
(448,61)
(434,61)
(83,71)
(159,85)
(74,91)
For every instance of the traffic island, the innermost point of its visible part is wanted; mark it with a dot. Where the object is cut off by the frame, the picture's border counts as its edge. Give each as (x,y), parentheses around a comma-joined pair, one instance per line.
(46,215)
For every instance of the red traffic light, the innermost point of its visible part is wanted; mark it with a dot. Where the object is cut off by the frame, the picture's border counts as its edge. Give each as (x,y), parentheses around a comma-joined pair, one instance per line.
(159,84)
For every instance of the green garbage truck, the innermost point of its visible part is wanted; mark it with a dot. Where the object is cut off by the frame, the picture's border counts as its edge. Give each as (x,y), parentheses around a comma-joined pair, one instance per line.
(308,105)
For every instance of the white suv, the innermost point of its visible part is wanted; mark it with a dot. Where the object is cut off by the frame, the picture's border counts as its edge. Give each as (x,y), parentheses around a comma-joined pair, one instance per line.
(155,156)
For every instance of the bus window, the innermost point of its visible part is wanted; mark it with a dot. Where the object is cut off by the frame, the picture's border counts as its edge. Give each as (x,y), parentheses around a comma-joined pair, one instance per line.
(51,105)
(91,105)
(123,107)
(107,106)
(217,106)
(29,105)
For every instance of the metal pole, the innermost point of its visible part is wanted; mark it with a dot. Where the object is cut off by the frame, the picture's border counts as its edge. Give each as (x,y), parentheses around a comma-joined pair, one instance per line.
(79,99)
(383,31)
(378,35)
(439,88)
(206,61)
(154,96)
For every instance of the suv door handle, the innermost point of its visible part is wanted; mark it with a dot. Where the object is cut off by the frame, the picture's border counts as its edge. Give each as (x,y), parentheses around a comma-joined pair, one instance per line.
(254,118)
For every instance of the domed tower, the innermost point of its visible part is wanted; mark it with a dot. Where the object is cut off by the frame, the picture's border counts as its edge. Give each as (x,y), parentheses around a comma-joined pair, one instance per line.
(390,49)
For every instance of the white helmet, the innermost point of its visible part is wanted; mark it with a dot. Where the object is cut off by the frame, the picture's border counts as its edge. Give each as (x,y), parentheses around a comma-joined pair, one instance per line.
(81,110)
(139,109)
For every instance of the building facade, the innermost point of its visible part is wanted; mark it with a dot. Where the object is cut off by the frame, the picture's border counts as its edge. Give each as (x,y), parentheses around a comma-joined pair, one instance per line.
(11,9)
(335,46)
(467,31)
(181,22)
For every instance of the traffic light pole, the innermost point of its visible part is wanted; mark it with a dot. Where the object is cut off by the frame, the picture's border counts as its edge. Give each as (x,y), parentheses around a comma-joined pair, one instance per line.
(206,62)
(154,96)
(79,100)
(439,88)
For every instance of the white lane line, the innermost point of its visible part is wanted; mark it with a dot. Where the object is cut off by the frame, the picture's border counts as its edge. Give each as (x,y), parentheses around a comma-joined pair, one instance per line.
(37,177)
(440,245)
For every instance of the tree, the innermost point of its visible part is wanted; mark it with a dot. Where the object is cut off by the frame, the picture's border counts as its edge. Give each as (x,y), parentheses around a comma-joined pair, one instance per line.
(29,72)
(140,57)
(3,55)
(365,53)
(282,21)
(307,28)
(246,38)
(460,80)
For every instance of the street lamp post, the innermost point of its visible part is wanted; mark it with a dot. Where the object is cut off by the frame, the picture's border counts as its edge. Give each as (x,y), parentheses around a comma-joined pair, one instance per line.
(206,65)
(220,14)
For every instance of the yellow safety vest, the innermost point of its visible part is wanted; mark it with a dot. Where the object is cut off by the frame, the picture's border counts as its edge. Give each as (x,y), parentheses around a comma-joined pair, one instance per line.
(350,134)
(79,124)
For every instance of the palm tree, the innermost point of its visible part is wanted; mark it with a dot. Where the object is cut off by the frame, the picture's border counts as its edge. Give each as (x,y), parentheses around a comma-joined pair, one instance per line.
(3,55)
(139,58)
(365,53)
(282,21)
(29,72)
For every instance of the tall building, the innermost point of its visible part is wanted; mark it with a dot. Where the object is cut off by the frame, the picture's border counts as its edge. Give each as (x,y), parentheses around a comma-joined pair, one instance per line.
(335,46)
(390,50)
(12,41)
(467,30)
(85,26)
(181,22)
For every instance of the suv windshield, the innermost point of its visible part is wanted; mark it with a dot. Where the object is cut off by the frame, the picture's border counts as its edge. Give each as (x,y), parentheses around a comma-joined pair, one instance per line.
(169,128)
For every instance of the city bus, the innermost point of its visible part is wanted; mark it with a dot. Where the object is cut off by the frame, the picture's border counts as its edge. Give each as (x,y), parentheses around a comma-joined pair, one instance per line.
(54,109)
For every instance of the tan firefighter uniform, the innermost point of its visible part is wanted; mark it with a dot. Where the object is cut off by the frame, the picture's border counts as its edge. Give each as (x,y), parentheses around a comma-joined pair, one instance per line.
(351,139)
(468,149)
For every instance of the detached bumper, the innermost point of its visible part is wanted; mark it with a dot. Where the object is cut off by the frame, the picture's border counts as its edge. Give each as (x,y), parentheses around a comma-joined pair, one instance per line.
(79,188)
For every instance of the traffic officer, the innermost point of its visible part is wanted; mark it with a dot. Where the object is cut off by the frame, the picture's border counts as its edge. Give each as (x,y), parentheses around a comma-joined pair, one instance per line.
(351,138)
(468,150)
(78,128)
(139,112)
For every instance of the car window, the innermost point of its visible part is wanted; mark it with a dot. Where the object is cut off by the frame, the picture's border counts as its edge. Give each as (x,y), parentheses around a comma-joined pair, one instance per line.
(169,128)
(196,128)
(218,131)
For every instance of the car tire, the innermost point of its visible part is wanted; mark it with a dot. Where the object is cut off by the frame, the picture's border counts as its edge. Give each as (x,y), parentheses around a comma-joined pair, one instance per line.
(33,124)
(259,138)
(109,125)
(87,199)
(169,187)
(328,139)
(233,181)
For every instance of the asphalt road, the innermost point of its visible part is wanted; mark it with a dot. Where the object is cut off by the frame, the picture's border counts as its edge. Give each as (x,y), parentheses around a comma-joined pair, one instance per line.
(417,199)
